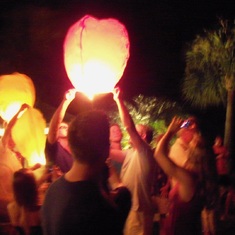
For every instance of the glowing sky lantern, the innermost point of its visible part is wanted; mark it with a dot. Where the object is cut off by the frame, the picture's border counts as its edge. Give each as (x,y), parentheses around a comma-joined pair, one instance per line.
(15,90)
(95,54)
(29,138)
(27,132)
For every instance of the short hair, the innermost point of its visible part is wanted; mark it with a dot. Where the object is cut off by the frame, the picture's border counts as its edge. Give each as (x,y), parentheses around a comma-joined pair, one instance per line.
(88,137)
(25,188)
(148,131)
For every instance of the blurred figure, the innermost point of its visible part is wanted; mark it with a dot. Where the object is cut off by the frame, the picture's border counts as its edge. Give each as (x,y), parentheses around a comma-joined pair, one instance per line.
(115,136)
(115,143)
(222,156)
(179,150)
(187,195)
(229,209)
(10,161)
(77,202)
(24,211)
(222,167)
(57,148)
(160,191)
(137,171)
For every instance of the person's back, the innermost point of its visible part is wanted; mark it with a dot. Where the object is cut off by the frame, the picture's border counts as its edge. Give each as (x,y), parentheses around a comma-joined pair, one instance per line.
(79,208)
(184,217)
(76,203)
(25,222)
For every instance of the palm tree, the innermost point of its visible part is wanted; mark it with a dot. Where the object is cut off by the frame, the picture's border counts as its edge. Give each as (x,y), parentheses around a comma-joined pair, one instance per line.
(209,73)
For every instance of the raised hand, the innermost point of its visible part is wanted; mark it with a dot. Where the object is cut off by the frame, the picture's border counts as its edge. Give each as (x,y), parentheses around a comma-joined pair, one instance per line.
(116,93)
(175,125)
(70,94)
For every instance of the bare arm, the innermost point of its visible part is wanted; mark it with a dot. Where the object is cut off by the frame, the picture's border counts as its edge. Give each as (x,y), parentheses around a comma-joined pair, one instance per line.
(114,179)
(7,139)
(59,114)
(117,155)
(184,177)
(127,120)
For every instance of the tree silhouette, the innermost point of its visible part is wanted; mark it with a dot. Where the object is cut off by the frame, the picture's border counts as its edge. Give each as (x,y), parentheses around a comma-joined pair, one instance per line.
(209,73)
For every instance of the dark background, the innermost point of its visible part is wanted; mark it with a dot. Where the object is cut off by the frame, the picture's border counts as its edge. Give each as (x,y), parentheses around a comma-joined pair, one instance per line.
(33,31)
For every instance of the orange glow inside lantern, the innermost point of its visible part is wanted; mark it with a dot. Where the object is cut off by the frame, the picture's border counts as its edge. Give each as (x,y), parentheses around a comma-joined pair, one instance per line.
(95,54)
(29,138)
(15,89)
(28,131)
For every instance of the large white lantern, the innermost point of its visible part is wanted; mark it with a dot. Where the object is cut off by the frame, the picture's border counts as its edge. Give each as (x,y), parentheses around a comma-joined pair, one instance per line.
(95,54)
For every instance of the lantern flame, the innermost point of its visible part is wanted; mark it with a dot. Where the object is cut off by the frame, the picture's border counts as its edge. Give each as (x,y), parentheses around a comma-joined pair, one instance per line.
(95,54)
(9,112)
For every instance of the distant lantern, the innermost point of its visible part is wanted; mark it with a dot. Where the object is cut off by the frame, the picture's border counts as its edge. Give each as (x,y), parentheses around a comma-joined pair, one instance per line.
(15,90)
(95,54)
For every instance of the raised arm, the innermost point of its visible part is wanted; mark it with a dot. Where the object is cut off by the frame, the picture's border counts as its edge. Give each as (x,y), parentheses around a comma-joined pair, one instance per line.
(184,177)
(7,138)
(127,120)
(59,114)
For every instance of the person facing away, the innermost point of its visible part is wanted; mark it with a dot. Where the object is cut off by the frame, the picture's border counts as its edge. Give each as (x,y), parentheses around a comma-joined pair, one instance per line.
(24,210)
(76,202)
(57,149)
(187,195)
(137,171)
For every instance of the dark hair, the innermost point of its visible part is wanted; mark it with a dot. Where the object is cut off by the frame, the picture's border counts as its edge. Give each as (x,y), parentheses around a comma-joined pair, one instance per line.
(25,188)
(88,137)
(149,134)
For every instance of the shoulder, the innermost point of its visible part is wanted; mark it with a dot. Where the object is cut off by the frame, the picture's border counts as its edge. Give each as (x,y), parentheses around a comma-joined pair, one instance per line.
(14,212)
(12,206)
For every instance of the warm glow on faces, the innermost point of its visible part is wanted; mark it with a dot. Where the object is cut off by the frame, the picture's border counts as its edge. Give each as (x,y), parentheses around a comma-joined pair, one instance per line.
(95,54)
(115,133)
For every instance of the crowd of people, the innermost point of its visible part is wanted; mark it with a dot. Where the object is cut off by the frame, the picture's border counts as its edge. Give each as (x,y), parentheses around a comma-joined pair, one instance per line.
(90,185)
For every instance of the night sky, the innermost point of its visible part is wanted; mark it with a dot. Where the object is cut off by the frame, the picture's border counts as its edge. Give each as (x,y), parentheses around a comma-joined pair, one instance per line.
(32,35)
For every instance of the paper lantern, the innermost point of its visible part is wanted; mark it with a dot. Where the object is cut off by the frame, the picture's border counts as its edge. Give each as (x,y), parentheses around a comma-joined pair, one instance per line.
(29,138)
(15,90)
(8,165)
(95,54)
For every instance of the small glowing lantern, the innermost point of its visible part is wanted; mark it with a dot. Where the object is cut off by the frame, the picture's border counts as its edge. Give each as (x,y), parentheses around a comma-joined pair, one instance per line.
(15,90)
(95,54)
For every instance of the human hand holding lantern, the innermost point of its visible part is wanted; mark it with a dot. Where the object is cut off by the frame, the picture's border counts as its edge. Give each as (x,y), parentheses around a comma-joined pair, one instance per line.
(95,54)
(70,95)
(116,93)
